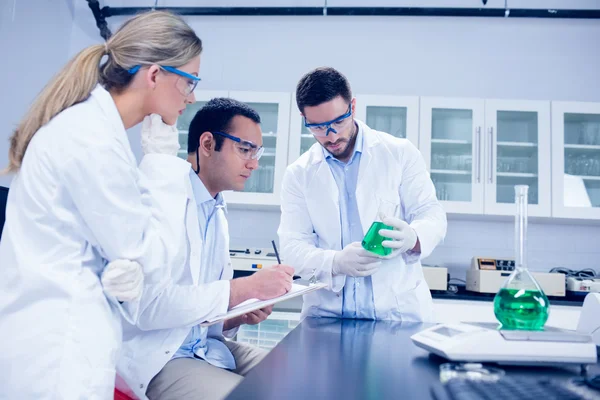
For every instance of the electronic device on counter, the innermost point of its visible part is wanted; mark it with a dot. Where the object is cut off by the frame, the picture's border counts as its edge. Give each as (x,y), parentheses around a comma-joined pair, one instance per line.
(581,284)
(436,277)
(484,342)
(252,259)
(487,275)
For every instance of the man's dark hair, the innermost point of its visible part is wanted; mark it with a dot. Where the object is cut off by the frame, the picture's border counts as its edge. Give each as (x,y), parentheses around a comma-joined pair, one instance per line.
(320,86)
(216,116)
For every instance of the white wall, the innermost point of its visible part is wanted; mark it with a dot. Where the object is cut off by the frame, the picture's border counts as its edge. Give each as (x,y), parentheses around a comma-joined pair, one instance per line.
(34,44)
(467,57)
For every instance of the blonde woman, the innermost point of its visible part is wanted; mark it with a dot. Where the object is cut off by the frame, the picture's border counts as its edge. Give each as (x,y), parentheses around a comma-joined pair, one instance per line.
(78,201)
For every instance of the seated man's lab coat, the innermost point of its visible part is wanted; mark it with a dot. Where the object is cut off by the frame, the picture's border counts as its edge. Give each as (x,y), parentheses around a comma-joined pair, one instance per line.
(199,290)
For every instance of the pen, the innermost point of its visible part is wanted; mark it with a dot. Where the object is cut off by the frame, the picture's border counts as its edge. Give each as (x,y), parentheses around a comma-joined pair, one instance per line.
(278,259)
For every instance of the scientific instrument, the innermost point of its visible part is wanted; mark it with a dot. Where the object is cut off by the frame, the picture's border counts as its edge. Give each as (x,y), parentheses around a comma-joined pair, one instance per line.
(521,302)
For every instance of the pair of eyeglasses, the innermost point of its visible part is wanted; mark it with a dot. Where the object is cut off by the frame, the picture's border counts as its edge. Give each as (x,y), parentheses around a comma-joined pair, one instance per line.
(185,86)
(335,125)
(245,148)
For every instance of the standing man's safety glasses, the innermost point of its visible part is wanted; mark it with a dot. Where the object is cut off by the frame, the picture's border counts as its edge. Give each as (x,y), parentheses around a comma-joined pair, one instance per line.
(336,125)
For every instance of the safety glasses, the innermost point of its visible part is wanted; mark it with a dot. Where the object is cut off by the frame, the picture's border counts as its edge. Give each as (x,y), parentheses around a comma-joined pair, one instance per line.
(336,125)
(244,148)
(186,83)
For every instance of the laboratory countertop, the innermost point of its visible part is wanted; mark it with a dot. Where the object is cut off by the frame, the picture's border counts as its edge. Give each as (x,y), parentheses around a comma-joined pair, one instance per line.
(463,294)
(326,358)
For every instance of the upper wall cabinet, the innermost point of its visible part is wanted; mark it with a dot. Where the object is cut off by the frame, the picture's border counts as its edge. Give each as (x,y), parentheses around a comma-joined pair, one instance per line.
(517,139)
(451,142)
(263,186)
(576,160)
(478,150)
(396,115)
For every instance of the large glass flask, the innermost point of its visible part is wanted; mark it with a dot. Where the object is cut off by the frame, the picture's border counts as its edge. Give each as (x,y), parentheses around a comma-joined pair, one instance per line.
(521,303)
(372,240)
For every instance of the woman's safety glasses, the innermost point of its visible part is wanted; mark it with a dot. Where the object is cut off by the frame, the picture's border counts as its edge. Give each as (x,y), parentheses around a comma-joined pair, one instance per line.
(186,83)
(244,148)
(335,125)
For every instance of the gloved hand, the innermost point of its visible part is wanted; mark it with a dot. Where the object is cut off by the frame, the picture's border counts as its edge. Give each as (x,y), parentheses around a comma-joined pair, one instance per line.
(123,279)
(404,237)
(353,260)
(158,137)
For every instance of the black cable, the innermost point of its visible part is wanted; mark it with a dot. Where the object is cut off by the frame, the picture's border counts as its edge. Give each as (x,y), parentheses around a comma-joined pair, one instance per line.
(100,19)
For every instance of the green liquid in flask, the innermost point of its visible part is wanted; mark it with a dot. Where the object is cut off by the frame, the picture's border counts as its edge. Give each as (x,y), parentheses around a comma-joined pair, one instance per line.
(521,309)
(372,240)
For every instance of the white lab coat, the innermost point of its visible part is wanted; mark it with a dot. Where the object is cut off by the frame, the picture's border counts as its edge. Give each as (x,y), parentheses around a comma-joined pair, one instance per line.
(310,228)
(77,202)
(186,302)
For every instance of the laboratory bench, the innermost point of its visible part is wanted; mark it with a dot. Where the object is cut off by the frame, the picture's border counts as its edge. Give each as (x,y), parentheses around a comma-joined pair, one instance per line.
(325,358)
(462,293)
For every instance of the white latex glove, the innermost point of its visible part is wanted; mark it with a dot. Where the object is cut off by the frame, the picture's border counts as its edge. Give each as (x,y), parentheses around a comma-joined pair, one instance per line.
(158,137)
(353,260)
(123,279)
(404,238)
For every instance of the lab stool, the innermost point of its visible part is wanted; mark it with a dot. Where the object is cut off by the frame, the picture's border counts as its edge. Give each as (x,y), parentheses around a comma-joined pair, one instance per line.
(121,396)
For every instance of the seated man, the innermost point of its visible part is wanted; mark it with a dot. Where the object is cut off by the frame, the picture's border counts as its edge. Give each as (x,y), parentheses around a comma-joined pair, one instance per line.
(168,355)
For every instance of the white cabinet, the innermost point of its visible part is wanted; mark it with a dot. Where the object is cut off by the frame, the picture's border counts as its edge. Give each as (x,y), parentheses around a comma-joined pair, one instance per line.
(263,186)
(183,122)
(451,142)
(576,160)
(517,152)
(396,115)
(478,150)
(300,137)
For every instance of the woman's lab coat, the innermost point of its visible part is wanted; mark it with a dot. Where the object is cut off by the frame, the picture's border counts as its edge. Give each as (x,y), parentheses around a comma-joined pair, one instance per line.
(310,228)
(77,202)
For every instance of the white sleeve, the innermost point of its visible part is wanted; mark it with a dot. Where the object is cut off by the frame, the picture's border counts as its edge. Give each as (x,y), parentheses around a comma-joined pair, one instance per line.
(299,241)
(125,218)
(423,211)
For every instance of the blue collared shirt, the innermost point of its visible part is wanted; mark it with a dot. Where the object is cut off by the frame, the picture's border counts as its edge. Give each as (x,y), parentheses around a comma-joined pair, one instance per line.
(358,292)
(198,344)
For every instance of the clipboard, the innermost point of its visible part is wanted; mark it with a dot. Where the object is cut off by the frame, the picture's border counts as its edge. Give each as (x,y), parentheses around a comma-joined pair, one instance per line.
(255,304)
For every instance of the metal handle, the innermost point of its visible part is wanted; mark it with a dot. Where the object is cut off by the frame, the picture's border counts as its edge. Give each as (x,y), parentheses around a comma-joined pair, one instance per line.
(491,131)
(478,153)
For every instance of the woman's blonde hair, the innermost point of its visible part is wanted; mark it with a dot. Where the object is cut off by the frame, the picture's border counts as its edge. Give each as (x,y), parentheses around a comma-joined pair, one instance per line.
(155,37)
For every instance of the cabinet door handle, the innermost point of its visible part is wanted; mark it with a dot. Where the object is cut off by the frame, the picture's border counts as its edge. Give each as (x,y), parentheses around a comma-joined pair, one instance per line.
(478,153)
(491,131)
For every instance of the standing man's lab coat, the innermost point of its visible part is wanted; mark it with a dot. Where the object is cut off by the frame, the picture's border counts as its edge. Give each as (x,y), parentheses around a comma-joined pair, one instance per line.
(77,202)
(310,228)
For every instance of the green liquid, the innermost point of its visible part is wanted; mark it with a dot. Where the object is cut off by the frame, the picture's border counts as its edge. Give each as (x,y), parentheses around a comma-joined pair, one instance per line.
(521,309)
(372,240)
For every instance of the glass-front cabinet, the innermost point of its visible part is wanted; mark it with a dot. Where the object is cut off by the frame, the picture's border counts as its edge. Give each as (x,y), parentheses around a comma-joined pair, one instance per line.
(576,160)
(478,150)
(184,121)
(263,186)
(451,141)
(517,141)
(300,137)
(396,115)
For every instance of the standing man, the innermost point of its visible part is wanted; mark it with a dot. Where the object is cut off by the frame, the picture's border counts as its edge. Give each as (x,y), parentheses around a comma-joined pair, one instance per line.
(330,197)
(168,355)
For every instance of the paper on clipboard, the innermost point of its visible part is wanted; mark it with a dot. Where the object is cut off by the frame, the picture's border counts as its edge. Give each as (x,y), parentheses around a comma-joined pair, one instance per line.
(254,304)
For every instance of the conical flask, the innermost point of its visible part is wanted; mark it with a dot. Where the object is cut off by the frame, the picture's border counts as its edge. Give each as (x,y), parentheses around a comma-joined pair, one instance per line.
(521,303)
